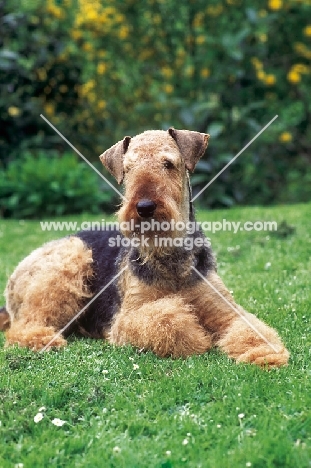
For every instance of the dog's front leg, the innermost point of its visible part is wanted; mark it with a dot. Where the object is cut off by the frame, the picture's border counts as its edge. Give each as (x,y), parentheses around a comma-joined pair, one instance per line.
(166,326)
(236,332)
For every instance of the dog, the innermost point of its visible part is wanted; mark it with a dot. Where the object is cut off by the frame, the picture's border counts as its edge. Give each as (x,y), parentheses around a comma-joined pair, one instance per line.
(161,292)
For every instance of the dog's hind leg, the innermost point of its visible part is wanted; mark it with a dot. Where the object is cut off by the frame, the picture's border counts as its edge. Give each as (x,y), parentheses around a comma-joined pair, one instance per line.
(33,336)
(46,291)
(4,319)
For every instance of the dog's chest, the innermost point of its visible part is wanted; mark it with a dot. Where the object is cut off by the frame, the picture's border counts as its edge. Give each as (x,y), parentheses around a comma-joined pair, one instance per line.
(169,273)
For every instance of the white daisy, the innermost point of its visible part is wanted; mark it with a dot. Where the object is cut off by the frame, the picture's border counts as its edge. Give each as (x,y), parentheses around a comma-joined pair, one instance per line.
(58,422)
(38,417)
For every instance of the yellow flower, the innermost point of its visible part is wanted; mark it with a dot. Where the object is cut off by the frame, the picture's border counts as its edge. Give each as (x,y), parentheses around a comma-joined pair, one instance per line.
(91,96)
(101,104)
(275,4)
(302,49)
(63,56)
(55,11)
(145,54)
(307,30)
(101,68)
(79,19)
(167,72)
(76,34)
(41,72)
(91,15)
(200,39)
(300,68)
(298,46)
(14,111)
(257,63)
(285,137)
(198,19)
(263,37)
(214,10)
(189,71)
(293,76)
(110,10)
(261,75)
(270,79)
(49,108)
(87,87)
(87,46)
(102,18)
(124,32)
(205,73)
(168,88)
(181,53)
(119,18)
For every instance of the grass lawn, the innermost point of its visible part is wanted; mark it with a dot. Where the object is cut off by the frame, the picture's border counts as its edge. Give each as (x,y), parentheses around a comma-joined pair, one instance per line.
(128,409)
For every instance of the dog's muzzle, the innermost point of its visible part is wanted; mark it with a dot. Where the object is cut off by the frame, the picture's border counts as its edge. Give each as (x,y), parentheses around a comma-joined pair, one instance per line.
(146,208)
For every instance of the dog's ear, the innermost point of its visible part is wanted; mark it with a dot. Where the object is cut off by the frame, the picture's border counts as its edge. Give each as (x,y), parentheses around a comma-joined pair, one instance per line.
(112,159)
(192,145)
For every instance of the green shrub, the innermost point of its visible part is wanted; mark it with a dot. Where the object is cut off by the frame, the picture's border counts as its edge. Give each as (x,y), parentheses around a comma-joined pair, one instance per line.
(50,185)
(32,76)
(104,69)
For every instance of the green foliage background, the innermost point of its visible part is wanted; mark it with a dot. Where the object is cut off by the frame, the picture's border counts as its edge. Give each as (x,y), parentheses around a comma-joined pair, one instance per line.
(103,69)
(49,185)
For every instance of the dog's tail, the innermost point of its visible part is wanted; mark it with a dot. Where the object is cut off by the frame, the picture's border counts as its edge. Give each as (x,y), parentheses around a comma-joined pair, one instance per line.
(5,321)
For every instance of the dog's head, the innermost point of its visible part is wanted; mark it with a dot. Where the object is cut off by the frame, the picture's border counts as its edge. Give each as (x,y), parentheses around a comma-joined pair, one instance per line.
(154,168)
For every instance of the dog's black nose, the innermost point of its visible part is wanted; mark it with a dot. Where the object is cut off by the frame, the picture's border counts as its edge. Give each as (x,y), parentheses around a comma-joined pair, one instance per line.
(146,208)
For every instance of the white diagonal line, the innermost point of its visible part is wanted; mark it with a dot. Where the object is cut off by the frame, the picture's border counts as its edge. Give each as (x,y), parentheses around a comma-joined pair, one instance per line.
(233,159)
(236,311)
(81,155)
(82,310)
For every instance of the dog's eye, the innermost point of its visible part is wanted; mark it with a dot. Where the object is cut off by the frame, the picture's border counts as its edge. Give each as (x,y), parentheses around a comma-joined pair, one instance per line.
(168,165)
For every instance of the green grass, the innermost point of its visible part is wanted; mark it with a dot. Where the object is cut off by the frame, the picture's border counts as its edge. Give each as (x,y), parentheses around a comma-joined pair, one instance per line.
(171,413)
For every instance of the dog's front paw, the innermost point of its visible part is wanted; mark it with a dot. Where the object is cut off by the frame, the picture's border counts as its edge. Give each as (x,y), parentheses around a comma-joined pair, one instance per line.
(264,355)
(248,339)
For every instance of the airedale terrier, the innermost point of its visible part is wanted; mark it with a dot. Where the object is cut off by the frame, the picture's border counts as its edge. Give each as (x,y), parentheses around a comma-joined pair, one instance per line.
(167,297)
